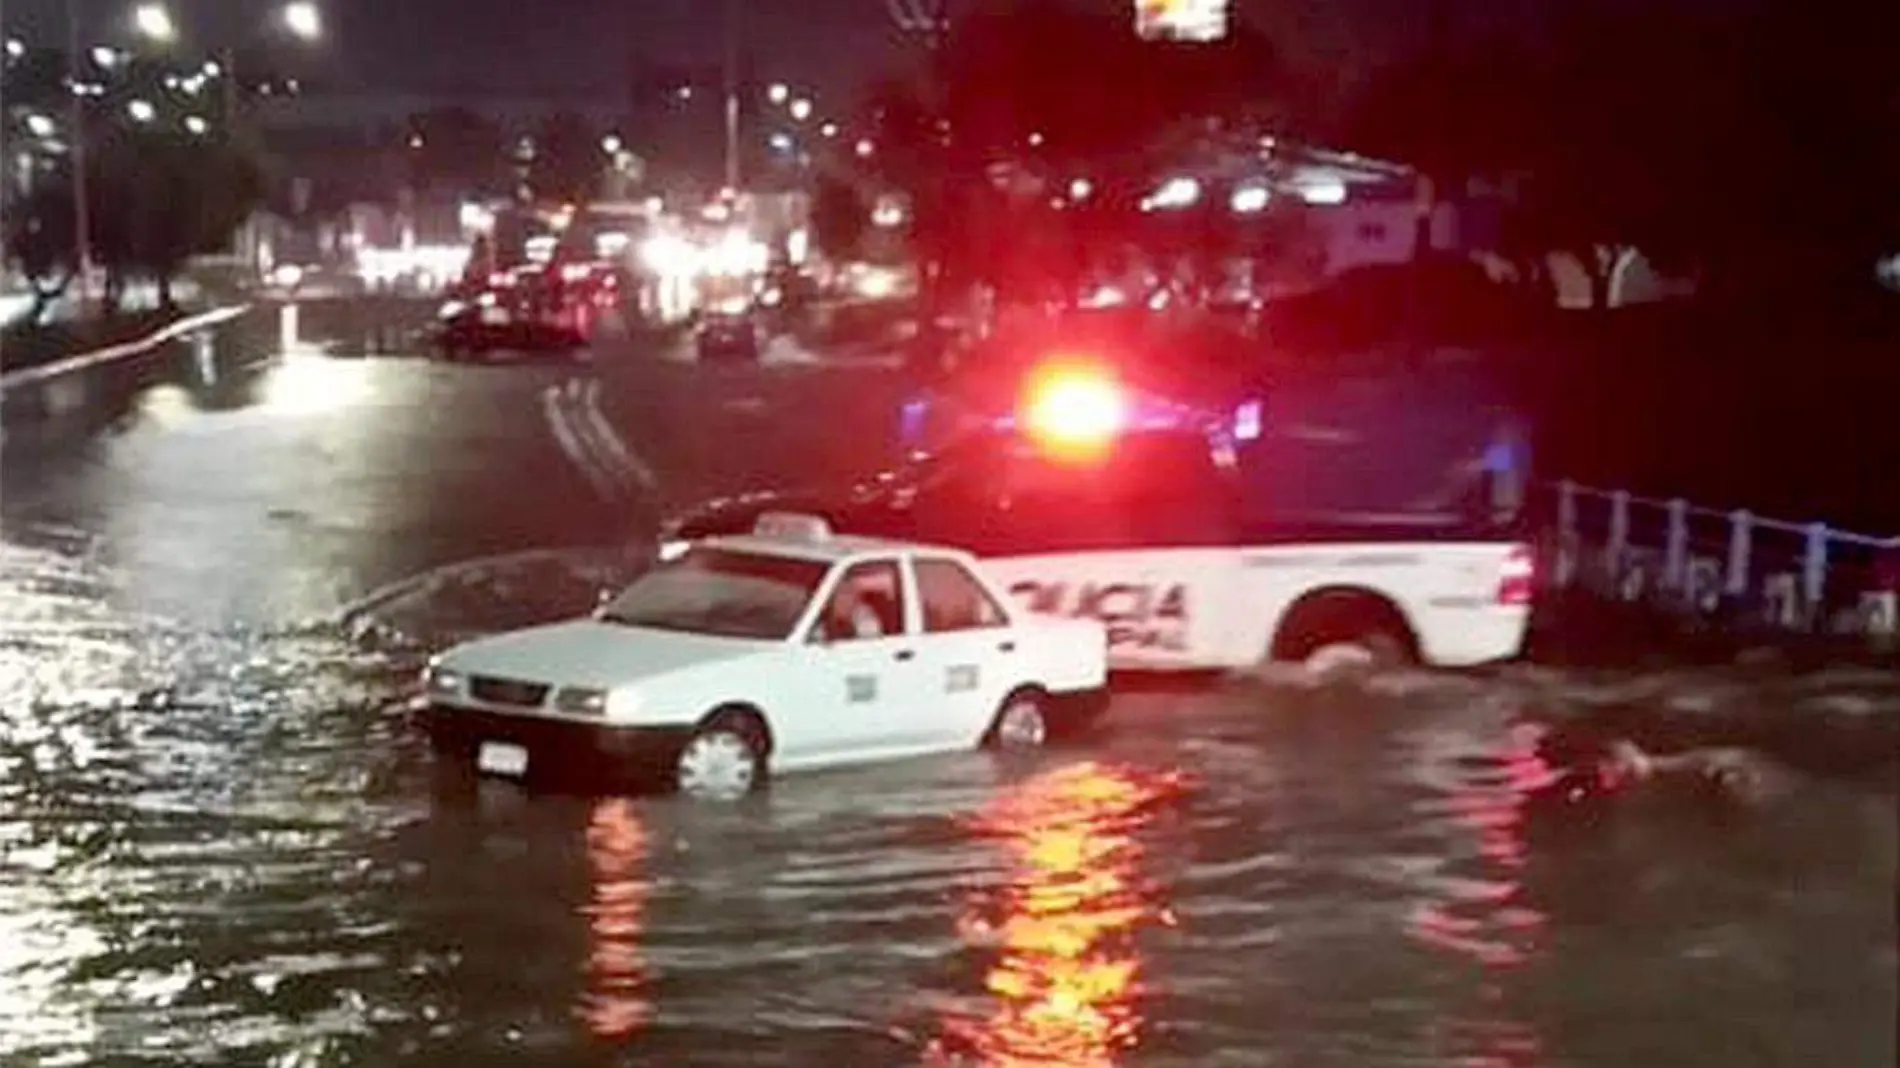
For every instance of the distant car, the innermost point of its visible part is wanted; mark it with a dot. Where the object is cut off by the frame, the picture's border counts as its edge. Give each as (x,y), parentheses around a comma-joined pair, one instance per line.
(523,310)
(786,649)
(728,335)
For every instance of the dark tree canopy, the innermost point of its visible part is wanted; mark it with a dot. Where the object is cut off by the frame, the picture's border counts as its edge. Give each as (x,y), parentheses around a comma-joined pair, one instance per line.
(568,159)
(166,179)
(1023,98)
(839,216)
(1744,148)
(453,148)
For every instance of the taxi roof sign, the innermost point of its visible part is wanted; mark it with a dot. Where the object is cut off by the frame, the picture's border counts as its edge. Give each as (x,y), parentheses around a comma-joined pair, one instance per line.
(1194,21)
(792,526)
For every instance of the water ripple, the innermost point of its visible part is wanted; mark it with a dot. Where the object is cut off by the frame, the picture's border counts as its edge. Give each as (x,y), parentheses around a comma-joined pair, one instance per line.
(231,848)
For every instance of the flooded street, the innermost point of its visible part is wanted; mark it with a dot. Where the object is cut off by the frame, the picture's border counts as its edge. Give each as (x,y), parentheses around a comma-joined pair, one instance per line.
(223,842)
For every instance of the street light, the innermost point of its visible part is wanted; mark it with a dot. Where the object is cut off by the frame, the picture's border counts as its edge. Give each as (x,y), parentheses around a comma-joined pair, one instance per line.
(304,20)
(801,109)
(154,22)
(777,92)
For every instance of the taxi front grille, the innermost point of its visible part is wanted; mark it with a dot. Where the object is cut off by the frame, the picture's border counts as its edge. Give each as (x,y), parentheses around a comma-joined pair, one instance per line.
(498,691)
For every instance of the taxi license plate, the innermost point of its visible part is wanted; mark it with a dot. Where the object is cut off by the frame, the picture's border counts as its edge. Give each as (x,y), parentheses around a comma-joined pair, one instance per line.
(495,316)
(499,758)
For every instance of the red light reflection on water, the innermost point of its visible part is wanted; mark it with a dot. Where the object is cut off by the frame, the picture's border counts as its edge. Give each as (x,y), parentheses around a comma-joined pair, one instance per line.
(1067,978)
(615,1003)
(1486,918)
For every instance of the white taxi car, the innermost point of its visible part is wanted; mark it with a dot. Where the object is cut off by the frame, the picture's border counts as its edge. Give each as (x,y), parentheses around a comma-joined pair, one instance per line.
(789,648)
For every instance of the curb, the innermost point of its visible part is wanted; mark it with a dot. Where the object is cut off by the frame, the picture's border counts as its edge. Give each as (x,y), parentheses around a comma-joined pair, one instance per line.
(82,361)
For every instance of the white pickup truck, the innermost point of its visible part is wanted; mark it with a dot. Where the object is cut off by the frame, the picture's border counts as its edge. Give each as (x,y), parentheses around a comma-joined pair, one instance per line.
(1151,536)
(782,649)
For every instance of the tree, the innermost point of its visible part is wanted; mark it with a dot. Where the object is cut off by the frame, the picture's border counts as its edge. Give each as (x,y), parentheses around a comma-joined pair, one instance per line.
(568,160)
(1700,142)
(40,239)
(160,197)
(1024,98)
(838,217)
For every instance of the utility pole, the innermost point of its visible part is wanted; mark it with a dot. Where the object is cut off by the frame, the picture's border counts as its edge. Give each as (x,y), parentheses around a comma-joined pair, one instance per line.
(1436,16)
(6,161)
(82,214)
(732,95)
(227,67)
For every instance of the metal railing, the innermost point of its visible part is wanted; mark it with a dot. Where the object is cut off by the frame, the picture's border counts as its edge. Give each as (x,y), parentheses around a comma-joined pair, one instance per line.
(1731,564)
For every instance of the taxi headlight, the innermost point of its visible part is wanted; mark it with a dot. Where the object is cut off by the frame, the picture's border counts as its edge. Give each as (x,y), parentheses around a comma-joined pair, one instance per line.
(580,701)
(623,704)
(438,679)
(673,550)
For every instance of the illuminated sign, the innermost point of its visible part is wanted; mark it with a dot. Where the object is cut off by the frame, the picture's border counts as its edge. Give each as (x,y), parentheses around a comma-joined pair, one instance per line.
(1181,20)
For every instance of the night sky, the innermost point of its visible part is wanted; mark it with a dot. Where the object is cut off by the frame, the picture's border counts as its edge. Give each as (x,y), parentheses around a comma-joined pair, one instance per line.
(583,48)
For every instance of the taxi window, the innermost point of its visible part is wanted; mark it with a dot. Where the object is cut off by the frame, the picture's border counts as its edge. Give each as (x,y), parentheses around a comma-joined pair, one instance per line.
(952,599)
(867,603)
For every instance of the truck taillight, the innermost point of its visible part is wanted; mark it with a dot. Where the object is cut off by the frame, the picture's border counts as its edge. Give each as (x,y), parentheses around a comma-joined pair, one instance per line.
(1517,577)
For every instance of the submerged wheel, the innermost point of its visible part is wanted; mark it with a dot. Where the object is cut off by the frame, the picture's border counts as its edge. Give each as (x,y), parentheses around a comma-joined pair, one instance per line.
(1022,722)
(1345,633)
(725,758)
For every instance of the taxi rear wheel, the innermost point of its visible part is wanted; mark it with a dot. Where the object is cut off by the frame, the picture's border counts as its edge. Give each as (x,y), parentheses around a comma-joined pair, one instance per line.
(1021,723)
(724,759)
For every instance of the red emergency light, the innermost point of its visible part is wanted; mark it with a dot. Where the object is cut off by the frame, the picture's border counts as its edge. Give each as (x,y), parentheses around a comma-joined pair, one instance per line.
(1074,409)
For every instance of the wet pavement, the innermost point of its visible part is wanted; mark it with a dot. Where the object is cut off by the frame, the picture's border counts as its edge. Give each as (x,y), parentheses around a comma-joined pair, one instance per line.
(221,842)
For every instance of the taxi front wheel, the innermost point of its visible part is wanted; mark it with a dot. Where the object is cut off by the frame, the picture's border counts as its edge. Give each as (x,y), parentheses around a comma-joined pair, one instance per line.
(724,759)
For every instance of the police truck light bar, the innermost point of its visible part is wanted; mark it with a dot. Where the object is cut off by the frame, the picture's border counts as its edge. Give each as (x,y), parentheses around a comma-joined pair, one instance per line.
(1074,409)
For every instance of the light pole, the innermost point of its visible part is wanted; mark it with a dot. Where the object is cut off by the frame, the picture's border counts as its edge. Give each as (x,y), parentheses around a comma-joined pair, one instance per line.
(82,215)
(732,95)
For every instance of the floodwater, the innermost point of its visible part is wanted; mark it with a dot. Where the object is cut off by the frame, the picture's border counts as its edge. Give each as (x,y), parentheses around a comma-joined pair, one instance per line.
(229,846)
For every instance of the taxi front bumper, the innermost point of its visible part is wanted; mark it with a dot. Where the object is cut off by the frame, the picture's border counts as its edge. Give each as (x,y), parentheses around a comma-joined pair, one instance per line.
(567,744)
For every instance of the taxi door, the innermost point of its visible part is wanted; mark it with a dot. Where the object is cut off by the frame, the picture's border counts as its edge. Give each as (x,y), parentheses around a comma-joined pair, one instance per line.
(969,653)
(870,689)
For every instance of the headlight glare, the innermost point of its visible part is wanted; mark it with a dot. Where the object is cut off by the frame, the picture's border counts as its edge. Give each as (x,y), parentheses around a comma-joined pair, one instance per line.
(581,701)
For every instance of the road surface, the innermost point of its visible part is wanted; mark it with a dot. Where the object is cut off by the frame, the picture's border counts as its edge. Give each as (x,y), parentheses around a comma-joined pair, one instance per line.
(220,843)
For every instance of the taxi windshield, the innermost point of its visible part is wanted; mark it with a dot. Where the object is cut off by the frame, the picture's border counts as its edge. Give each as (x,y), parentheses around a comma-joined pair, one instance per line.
(722,593)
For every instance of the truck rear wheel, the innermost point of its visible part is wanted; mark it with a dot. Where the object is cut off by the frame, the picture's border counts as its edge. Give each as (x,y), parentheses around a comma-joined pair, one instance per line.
(1344,632)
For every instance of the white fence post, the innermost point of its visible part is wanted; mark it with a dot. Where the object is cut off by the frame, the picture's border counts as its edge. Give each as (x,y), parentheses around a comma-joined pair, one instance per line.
(1568,537)
(1814,572)
(1781,600)
(1676,550)
(1619,535)
(1880,615)
(1739,531)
